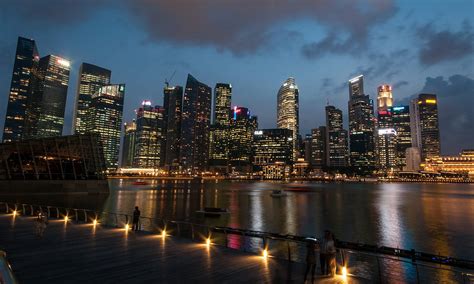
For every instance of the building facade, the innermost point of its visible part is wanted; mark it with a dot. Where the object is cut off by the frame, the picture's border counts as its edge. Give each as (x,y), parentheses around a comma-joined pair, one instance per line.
(128,145)
(105,115)
(196,122)
(91,78)
(401,124)
(219,152)
(222,103)
(172,104)
(337,157)
(318,153)
(47,103)
(26,59)
(242,129)
(288,111)
(461,164)
(271,146)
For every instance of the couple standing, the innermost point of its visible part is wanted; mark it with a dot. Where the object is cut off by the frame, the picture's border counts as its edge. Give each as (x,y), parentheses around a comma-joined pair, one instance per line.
(327,256)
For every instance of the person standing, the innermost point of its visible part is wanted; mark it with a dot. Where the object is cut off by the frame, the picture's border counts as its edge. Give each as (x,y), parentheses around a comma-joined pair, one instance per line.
(310,259)
(40,223)
(136,219)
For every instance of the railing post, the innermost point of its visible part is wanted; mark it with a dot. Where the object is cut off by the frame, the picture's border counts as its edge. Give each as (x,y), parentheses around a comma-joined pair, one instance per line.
(85,216)
(226,241)
(49,212)
(179,229)
(24,209)
(379,270)
(32,211)
(77,216)
(289,250)
(192,231)
(417,274)
(57,212)
(244,245)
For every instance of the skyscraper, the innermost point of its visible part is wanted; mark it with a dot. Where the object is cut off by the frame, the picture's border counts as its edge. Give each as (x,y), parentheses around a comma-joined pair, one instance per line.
(105,116)
(47,102)
(196,118)
(425,126)
(172,104)
(222,102)
(149,137)
(128,146)
(271,146)
(384,97)
(91,78)
(386,138)
(242,129)
(318,147)
(221,128)
(26,59)
(288,111)
(361,128)
(336,139)
(401,124)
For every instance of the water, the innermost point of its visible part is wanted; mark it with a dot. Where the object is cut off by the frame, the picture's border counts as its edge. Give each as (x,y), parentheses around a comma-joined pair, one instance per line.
(435,218)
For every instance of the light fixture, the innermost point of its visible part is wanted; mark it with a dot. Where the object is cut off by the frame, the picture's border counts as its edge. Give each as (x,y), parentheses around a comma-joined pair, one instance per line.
(127,227)
(163,234)
(14,213)
(208,241)
(344,272)
(66,218)
(94,222)
(265,254)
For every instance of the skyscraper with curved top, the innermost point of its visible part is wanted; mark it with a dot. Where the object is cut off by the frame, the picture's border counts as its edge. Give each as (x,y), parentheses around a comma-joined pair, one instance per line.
(288,110)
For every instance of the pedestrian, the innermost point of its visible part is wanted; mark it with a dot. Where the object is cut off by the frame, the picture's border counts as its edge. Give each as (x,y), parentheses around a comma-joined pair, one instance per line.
(331,254)
(136,219)
(40,223)
(310,259)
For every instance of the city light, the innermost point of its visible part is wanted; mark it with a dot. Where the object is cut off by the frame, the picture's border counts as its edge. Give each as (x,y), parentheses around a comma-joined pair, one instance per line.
(430,101)
(64,62)
(66,218)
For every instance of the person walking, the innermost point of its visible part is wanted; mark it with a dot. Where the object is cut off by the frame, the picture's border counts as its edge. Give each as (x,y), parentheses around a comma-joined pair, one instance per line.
(136,219)
(310,259)
(40,223)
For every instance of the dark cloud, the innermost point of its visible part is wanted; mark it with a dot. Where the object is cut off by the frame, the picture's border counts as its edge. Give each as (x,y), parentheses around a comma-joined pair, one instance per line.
(455,101)
(400,84)
(445,45)
(382,65)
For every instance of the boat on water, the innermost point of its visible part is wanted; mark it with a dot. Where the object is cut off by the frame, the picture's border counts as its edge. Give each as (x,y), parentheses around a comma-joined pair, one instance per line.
(140,182)
(278,193)
(213,211)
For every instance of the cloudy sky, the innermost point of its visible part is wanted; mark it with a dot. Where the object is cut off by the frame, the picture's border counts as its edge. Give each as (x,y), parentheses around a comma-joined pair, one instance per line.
(417,46)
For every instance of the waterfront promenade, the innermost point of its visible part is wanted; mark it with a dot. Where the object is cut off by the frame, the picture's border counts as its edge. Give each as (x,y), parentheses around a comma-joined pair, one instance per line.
(84,253)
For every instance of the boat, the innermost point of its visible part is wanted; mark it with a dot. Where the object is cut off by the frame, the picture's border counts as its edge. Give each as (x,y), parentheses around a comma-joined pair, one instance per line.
(213,211)
(278,193)
(140,182)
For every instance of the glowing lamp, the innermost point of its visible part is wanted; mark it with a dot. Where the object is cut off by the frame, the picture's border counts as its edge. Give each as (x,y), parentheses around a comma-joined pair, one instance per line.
(66,218)
(265,254)
(127,227)
(163,234)
(344,272)
(208,241)
(94,222)
(14,212)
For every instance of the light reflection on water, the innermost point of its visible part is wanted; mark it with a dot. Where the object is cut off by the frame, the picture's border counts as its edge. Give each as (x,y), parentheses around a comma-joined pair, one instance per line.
(436,218)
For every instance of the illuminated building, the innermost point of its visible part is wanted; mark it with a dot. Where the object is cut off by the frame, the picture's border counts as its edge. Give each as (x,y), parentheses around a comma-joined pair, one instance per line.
(386,140)
(288,111)
(336,140)
(462,164)
(361,128)
(128,146)
(221,128)
(47,102)
(318,147)
(412,159)
(425,126)
(195,125)
(401,124)
(149,137)
(105,117)
(242,129)
(172,104)
(222,102)
(91,78)
(26,58)
(384,97)
(271,146)
(301,168)
(306,149)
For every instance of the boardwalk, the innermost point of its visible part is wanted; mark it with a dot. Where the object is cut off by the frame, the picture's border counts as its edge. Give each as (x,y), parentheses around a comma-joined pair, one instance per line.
(76,253)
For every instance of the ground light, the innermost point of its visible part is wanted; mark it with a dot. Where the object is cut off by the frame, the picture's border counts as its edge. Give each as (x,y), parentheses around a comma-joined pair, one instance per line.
(163,234)
(344,272)
(14,213)
(265,254)
(208,241)
(127,227)
(66,218)
(94,222)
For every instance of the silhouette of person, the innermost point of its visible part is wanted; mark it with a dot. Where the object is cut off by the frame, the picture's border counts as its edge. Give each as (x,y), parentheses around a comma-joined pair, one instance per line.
(136,219)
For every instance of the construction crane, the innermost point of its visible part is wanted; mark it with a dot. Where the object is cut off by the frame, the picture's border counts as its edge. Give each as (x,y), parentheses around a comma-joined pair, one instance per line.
(167,82)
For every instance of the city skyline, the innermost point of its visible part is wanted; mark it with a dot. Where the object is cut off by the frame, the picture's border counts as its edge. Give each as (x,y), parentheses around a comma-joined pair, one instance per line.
(256,75)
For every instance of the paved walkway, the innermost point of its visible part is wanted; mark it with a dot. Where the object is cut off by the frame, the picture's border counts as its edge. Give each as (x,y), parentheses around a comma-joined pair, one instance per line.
(78,253)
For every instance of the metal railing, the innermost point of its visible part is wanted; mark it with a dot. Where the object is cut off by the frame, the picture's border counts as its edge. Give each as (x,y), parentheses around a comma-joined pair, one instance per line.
(6,273)
(377,264)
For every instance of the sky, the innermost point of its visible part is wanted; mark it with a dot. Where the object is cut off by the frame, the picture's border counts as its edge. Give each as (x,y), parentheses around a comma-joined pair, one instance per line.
(416,46)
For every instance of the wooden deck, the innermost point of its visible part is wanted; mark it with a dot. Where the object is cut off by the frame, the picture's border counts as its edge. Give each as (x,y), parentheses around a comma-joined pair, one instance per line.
(76,253)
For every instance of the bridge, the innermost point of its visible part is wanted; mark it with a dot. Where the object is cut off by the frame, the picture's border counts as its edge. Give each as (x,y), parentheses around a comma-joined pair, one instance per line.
(81,245)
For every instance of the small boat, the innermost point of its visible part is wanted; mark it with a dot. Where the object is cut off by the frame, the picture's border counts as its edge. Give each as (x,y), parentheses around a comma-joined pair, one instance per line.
(213,211)
(140,182)
(278,193)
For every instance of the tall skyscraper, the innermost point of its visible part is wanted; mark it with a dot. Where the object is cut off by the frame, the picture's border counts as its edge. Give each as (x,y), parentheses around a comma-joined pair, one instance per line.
(128,145)
(386,140)
(47,103)
(173,101)
(318,147)
(105,116)
(149,139)
(222,102)
(91,78)
(336,139)
(288,111)
(26,59)
(361,128)
(196,118)
(271,146)
(425,126)
(384,97)
(401,124)
(242,129)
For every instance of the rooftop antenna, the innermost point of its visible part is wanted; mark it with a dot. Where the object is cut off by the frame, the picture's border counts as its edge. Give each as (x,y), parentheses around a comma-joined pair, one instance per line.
(167,82)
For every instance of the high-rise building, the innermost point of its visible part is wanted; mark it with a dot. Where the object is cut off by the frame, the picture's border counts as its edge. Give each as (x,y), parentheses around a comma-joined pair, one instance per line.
(288,111)
(412,159)
(336,139)
(128,145)
(318,147)
(384,97)
(173,100)
(47,101)
(105,116)
(386,140)
(222,102)
(26,59)
(196,118)
(401,124)
(149,137)
(361,128)
(425,125)
(91,78)
(307,148)
(272,146)
(241,132)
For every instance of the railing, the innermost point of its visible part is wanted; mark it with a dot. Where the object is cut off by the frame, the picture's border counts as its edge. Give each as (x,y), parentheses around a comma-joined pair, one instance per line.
(377,264)
(6,272)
